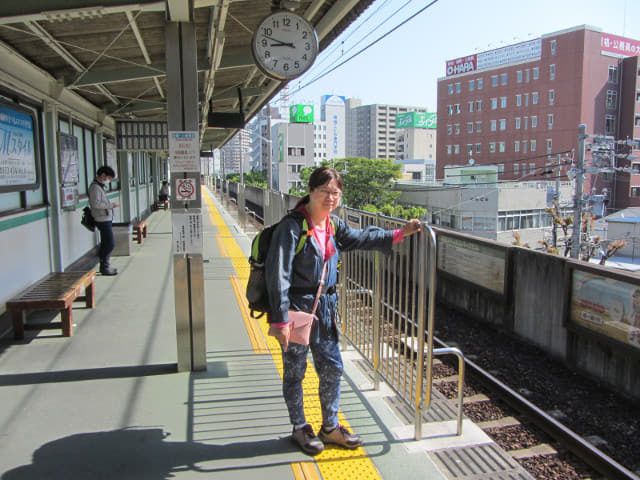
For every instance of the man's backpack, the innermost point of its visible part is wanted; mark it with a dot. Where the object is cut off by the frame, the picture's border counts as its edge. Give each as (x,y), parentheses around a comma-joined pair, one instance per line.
(87,219)
(257,295)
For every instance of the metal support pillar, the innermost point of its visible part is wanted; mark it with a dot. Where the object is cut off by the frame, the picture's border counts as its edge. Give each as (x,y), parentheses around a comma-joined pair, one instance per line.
(53,187)
(576,238)
(125,182)
(186,202)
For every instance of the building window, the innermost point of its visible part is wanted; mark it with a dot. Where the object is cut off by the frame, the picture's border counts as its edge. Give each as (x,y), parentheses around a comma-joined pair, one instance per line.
(550,121)
(635,191)
(637,122)
(469,148)
(503,79)
(613,74)
(516,169)
(526,123)
(478,127)
(518,100)
(551,97)
(609,124)
(553,47)
(516,146)
(492,147)
(478,105)
(295,151)
(503,102)
(519,76)
(534,121)
(526,99)
(478,148)
(472,85)
(457,108)
(612,98)
(534,98)
(494,103)
(502,146)
(449,129)
(536,73)
(503,124)
(470,107)
(449,149)
(526,75)
(480,82)
(456,149)
(457,88)
(469,127)
(501,168)
(533,145)
(549,145)
(450,109)
(552,72)
(494,80)
(456,128)
(524,146)
(493,125)
(517,123)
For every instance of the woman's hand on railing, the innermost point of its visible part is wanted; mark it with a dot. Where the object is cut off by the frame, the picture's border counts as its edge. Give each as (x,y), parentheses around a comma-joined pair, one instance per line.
(412,226)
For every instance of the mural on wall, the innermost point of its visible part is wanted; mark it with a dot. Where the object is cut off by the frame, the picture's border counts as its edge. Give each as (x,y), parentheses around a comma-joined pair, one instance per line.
(607,306)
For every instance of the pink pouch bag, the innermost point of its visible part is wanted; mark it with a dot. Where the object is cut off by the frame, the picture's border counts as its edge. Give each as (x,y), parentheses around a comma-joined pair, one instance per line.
(300,323)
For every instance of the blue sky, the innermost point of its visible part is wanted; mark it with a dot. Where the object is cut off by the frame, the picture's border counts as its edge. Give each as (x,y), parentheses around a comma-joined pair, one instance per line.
(403,68)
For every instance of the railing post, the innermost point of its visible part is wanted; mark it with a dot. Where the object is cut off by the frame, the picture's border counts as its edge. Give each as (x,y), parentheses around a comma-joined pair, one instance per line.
(377,313)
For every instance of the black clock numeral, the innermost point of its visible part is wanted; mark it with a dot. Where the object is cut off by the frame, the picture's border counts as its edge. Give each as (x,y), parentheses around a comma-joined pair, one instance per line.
(307,46)
(267,31)
(275,62)
(296,64)
(304,57)
(286,22)
(267,54)
(276,24)
(305,34)
(285,67)
(264,42)
(297,26)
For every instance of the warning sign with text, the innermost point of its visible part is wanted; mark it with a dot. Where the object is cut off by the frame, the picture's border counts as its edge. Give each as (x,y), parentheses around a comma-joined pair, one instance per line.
(184,151)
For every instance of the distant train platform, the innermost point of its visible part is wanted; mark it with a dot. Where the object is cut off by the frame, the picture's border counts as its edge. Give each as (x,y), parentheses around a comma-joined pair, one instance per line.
(108,402)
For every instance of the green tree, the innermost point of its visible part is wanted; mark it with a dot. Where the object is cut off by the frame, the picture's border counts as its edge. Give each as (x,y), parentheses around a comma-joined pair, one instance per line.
(368,181)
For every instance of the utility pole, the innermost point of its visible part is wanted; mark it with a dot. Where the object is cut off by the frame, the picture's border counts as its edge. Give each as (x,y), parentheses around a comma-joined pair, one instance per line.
(577,219)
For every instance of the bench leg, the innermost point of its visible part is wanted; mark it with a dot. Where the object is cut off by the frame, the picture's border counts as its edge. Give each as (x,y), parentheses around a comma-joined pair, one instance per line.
(90,296)
(144,231)
(19,319)
(67,321)
(139,234)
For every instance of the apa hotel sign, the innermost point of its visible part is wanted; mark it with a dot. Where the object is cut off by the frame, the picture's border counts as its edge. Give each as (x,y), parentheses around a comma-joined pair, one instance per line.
(494,58)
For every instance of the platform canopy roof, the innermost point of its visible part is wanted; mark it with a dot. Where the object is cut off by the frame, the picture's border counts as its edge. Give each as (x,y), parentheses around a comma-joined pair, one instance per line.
(112,53)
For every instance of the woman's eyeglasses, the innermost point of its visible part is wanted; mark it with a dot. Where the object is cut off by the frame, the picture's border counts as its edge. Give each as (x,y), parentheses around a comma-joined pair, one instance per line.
(326,192)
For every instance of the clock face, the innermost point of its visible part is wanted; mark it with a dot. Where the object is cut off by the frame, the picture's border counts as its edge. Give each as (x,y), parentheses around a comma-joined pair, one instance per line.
(284,45)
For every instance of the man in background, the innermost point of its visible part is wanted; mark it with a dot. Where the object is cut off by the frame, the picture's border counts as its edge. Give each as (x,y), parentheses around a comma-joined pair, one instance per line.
(102,211)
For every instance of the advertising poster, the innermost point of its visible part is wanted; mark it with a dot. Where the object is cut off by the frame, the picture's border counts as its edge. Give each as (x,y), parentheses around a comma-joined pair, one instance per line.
(474,262)
(17,150)
(69,172)
(606,306)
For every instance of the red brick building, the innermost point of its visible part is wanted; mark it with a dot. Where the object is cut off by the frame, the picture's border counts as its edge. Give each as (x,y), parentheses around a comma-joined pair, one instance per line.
(519,107)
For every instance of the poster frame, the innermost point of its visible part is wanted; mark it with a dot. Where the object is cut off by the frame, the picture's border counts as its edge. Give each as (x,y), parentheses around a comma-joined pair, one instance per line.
(37,154)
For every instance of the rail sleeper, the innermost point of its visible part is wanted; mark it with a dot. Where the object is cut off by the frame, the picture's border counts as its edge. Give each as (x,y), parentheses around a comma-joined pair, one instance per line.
(56,291)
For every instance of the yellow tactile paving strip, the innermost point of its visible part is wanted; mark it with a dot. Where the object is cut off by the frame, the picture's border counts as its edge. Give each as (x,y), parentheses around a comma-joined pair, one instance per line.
(334,463)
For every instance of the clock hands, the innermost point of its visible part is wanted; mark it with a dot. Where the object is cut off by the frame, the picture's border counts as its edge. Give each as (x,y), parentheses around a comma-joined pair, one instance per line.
(279,43)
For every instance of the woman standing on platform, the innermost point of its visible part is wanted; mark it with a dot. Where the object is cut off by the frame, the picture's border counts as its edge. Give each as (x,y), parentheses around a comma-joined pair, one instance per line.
(292,282)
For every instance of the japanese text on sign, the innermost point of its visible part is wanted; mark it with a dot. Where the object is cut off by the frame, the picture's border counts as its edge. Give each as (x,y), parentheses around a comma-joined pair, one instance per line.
(187,233)
(184,151)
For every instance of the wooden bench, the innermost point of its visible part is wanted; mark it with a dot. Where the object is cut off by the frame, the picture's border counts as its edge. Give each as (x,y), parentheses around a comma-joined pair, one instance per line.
(56,291)
(141,230)
(157,205)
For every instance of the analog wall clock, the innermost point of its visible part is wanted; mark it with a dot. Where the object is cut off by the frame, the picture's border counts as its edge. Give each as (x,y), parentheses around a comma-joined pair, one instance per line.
(284,45)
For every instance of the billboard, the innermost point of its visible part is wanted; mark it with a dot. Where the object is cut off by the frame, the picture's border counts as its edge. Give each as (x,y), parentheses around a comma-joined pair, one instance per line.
(301,114)
(619,46)
(494,58)
(335,100)
(416,120)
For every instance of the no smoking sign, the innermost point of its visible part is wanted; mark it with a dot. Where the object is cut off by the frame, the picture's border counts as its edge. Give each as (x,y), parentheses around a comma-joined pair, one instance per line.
(186,189)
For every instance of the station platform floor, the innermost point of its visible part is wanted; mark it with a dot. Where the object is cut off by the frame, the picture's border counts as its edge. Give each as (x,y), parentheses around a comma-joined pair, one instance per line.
(108,403)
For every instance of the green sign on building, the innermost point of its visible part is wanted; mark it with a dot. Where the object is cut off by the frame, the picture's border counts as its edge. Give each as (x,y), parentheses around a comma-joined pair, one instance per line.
(416,120)
(301,114)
